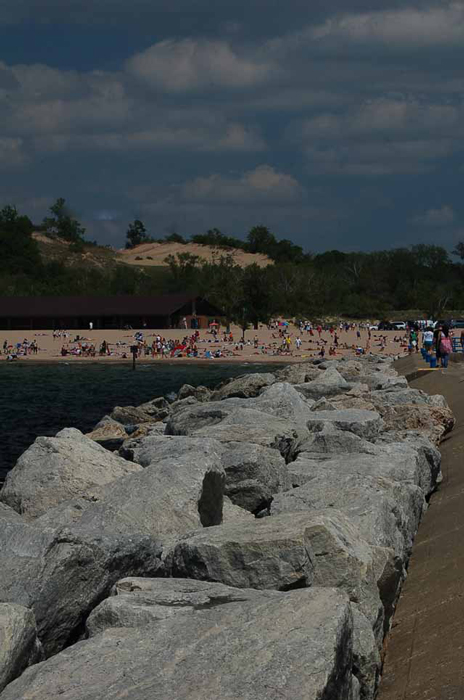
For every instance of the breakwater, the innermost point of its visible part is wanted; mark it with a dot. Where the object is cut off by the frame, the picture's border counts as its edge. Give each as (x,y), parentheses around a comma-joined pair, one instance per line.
(245,541)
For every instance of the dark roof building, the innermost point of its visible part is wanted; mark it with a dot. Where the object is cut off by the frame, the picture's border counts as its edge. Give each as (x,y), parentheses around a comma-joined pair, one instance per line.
(37,313)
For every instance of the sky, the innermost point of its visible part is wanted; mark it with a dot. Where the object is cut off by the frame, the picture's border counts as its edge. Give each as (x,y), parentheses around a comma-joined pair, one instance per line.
(338,124)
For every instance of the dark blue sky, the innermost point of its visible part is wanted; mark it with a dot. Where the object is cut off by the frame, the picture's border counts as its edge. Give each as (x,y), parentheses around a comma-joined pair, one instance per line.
(336,124)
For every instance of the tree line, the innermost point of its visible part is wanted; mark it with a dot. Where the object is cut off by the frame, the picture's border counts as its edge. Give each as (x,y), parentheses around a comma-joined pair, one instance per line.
(298,284)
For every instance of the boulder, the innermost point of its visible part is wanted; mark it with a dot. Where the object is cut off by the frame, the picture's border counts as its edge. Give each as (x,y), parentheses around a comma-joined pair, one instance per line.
(400,397)
(433,422)
(248,425)
(331,441)
(386,512)
(57,469)
(365,424)
(152,449)
(157,409)
(283,401)
(283,552)
(244,387)
(109,434)
(366,655)
(19,646)
(253,474)
(297,373)
(296,646)
(61,574)
(200,393)
(137,602)
(329,383)
(192,418)
(165,500)
(268,553)
(130,415)
(397,462)
(146,429)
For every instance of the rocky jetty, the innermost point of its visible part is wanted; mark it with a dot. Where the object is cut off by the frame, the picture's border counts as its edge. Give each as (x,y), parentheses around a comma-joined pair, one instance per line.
(243,543)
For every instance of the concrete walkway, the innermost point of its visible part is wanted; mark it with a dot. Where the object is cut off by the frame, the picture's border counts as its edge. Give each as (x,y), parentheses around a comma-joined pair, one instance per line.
(425,650)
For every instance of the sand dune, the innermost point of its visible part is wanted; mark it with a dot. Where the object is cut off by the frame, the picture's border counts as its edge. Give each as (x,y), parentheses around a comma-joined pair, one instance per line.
(156,253)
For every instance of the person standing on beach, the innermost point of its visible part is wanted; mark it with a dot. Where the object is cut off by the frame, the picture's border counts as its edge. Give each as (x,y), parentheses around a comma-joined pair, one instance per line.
(445,346)
(427,339)
(436,341)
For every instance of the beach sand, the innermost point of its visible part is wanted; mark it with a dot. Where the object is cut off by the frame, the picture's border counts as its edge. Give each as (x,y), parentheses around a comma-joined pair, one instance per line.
(50,348)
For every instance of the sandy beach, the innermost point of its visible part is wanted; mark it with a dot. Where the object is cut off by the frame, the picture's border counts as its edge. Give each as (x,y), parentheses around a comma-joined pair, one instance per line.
(265,350)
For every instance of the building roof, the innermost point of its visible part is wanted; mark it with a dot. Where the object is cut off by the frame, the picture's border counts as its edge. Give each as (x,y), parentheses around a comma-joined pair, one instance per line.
(27,307)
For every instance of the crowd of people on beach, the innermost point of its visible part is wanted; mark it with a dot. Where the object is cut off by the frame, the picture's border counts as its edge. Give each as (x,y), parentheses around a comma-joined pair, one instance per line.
(283,339)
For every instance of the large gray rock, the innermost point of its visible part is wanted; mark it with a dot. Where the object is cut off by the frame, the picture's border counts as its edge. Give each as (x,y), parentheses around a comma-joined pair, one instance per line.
(244,387)
(253,474)
(330,441)
(386,512)
(248,425)
(157,409)
(19,646)
(284,552)
(365,424)
(433,422)
(396,461)
(131,415)
(192,418)
(61,575)
(164,500)
(57,469)
(269,553)
(296,646)
(366,655)
(297,373)
(200,393)
(407,396)
(152,449)
(109,434)
(283,401)
(328,383)
(137,602)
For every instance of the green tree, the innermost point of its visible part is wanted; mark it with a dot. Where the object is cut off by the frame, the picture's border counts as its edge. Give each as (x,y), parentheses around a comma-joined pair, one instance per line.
(20,252)
(136,234)
(261,240)
(63,224)
(184,269)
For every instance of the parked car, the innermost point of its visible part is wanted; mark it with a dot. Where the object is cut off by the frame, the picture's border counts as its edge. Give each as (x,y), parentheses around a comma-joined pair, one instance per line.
(374,327)
(398,325)
(384,326)
(457,323)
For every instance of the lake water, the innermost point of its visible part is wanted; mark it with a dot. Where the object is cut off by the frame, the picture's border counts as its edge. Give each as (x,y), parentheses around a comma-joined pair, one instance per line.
(42,399)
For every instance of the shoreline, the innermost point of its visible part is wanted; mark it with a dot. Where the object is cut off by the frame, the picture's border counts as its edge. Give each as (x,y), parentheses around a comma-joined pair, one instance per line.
(261,346)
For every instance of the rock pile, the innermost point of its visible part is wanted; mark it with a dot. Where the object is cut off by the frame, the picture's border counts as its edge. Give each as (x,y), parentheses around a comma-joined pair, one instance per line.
(245,542)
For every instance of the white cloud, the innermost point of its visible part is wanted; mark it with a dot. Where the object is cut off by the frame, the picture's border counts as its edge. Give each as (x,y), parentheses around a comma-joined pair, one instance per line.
(188,65)
(386,115)
(408,27)
(264,183)
(444,216)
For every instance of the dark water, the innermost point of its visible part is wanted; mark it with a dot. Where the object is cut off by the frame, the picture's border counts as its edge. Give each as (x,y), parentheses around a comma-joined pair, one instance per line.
(40,400)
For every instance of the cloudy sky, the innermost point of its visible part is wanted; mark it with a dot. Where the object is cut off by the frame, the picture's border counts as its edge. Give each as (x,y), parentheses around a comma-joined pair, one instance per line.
(336,123)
